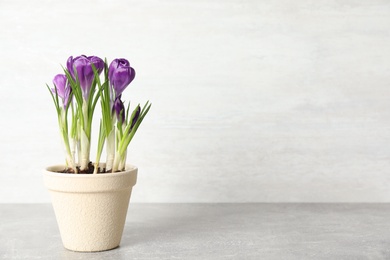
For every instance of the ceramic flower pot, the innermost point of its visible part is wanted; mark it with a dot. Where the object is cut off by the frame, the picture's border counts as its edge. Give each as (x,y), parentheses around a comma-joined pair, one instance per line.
(90,208)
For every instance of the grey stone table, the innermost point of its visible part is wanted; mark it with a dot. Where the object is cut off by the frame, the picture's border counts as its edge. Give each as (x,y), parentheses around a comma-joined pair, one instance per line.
(213,231)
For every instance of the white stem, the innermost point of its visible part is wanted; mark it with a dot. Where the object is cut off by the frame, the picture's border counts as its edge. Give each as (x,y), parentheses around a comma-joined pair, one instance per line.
(68,156)
(73,149)
(110,148)
(116,163)
(85,148)
(84,141)
(64,132)
(70,162)
(78,152)
(96,168)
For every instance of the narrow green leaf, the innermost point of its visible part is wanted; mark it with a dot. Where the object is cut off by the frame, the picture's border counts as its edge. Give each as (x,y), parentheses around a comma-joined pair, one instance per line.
(54,100)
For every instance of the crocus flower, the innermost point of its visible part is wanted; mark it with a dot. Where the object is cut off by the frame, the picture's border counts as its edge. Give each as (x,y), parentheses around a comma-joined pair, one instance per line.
(120,74)
(119,109)
(63,88)
(82,66)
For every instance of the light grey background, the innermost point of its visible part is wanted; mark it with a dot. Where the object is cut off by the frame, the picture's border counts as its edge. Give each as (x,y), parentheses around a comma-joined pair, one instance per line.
(253,101)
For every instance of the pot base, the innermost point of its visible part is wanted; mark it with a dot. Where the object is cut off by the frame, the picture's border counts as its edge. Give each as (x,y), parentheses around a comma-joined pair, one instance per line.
(91,251)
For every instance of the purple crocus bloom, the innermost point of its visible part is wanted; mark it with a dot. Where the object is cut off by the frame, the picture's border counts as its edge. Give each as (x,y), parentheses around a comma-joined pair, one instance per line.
(82,66)
(63,88)
(120,75)
(119,109)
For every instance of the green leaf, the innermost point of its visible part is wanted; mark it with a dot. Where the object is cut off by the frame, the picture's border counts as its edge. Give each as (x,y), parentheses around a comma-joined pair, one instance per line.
(55,100)
(128,136)
(127,113)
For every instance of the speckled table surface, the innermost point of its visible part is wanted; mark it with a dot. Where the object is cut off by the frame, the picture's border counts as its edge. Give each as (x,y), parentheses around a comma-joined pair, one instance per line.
(213,231)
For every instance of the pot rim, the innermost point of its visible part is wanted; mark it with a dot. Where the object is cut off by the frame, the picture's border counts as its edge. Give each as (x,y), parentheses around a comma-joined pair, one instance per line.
(89,183)
(53,171)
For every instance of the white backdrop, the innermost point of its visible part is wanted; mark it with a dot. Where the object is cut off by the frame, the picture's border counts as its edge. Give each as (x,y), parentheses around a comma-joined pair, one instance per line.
(253,101)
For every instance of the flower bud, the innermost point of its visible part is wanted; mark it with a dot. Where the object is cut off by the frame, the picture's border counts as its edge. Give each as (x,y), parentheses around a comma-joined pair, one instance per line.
(119,109)
(63,88)
(136,116)
(120,75)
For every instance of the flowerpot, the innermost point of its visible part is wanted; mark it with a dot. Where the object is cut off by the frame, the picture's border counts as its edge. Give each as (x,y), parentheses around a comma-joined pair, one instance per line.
(90,208)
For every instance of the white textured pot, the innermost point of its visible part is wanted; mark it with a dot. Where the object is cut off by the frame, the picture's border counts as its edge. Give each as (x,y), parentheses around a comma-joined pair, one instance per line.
(90,208)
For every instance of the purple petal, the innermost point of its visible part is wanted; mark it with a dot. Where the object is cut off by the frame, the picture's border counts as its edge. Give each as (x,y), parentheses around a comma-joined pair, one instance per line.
(69,66)
(120,75)
(63,88)
(119,109)
(85,73)
(97,62)
(59,82)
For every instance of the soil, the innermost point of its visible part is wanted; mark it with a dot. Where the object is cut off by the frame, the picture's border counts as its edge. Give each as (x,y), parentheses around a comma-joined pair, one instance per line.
(90,170)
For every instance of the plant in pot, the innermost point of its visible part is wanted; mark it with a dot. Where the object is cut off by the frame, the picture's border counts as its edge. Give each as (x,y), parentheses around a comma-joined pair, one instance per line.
(90,199)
